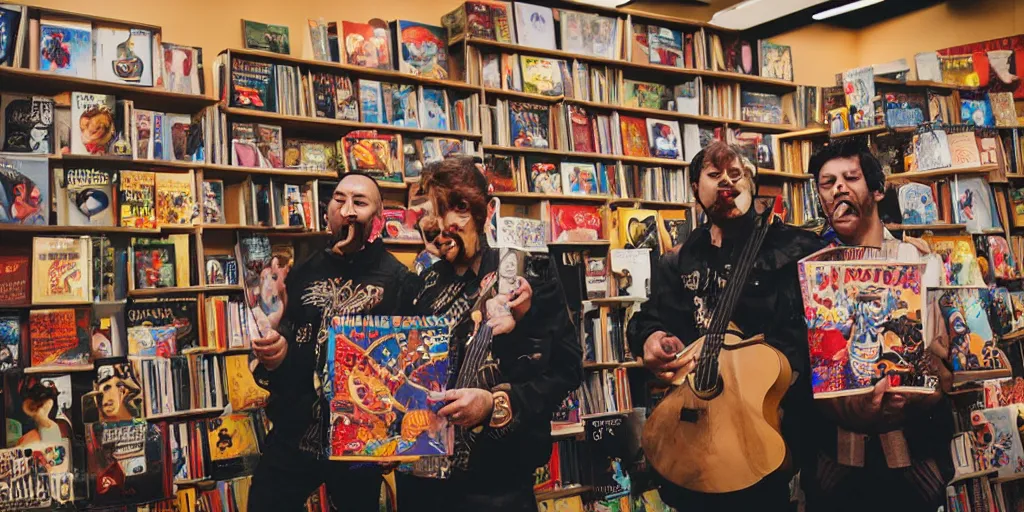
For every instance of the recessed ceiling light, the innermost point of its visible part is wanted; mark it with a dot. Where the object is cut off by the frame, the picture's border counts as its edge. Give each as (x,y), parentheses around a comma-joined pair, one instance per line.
(859,4)
(752,13)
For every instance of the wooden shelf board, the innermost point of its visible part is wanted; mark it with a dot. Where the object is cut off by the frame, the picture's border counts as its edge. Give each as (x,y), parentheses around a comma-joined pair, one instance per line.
(76,230)
(656,205)
(859,131)
(659,113)
(185,414)
(617,300)
(605,414)
(567,430)
(272,171)
(122,163)
(587,243)
(61,369)
(784,175)
(540,98)
(381,74)
(156,292)
(564,493)
(587,156)
(915,83)
(625,64)
(926,227)
(414,243)
(941,173)
(975,474)
(607,366)
(966,377)
(62,304)
(51,84)
(319,123)
(534,196)
(805,133)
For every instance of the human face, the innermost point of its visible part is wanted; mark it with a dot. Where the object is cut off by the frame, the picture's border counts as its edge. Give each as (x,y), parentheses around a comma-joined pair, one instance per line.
(725,193)
(352,213)
(850,207)
(459,239)
(112,392)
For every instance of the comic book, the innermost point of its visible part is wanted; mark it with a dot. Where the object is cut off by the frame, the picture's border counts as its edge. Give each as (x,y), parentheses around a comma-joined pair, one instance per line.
(129,462)
(863,309)
(242,389)
(958,319)
(233,445)
(384,376)
(60,337)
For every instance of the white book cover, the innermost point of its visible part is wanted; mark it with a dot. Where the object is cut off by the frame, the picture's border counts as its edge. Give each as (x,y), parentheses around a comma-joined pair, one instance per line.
(92,123)
(535,26)
(124,56)
(928,67)
(180,68)
(691,141)
(631,272)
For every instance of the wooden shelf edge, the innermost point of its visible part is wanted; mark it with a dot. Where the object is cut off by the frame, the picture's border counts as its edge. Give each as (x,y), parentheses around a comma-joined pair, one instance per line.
(321,122)
(575,490)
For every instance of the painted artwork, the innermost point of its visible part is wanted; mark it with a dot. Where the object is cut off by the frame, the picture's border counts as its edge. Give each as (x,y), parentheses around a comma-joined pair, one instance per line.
(24,190)
(581,178)
(959,260)
(904,109)
(116,395)
(997,440)
(423,49)
(963,149)
(367,44)
(958,319)
(544,176)
(859,88)
(1017,302)
(434,109)
(646,95)
(776,61)
(974,204)
(266,37)
(542,76)
(233,446)
(385,375)
(529,125)
(1001,262)
(634,136)
(976,111)
(65,47)
(589,34)
(864,322)
(575,223)
(918,204)
(931,150)
(664,138)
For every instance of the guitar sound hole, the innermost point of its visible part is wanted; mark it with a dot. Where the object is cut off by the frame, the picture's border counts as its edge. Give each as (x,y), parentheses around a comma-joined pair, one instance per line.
(708,388)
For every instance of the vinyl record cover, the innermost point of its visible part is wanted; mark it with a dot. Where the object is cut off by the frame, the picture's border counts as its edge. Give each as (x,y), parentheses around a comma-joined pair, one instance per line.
(423,49)
(24,190)
(124,56)
(575,223)
(128,462)
(631,272)
(974,204)
(582,178)
(959,259)
(917,204)
(958,319)
(65,47)
(27,124)
(529,125)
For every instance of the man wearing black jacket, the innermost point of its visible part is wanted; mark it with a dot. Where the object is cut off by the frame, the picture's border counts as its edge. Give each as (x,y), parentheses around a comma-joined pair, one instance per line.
(535,358)
(353,275)
(686,285)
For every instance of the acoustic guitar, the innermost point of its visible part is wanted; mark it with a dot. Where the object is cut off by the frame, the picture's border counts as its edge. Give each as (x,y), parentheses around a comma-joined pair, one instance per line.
(718,430)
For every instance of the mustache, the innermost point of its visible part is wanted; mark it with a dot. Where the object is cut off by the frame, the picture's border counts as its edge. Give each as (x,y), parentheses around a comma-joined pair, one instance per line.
(446,240)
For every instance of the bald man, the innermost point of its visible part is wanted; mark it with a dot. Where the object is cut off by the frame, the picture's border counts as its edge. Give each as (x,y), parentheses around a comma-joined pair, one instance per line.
(353,275)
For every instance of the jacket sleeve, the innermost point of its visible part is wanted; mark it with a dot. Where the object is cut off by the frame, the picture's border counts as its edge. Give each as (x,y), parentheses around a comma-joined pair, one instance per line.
(790,333)
(409,285)
(546,324)
(648,320)
(276,379)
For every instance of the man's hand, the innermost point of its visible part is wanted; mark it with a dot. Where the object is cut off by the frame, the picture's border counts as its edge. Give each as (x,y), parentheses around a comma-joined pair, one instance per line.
(467,407)
(877,403)
(522,299)
(660,351)
(271,349)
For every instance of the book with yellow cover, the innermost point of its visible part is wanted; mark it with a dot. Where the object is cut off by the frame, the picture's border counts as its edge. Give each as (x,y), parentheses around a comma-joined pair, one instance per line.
(61,270)
(136,191)
(242,389)
(175,198)
(636,228)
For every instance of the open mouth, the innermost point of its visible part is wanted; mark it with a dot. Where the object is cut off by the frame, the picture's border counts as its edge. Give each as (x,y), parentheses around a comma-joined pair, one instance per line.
(728,194)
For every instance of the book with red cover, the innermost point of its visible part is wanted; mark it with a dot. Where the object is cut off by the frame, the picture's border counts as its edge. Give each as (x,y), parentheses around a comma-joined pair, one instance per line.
(634,136)
(14,280)
(60,337)
(575,223)
(582,130)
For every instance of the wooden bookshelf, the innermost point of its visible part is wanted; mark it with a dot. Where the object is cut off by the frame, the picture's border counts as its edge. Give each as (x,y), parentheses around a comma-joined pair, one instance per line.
(605,414)
(859,131)
(384,75)
(643,203)
(575,490)
(494,46)
(804,134)
(926,227)
(975,474)
(176,290)
(609,366)
(526,96)
(915,83)
(942,173)
(782,174)
(186,414)
(318,124)
(74,230)
(514,197)
(68,161)
(51,84)
(67,368)
(246,227)
(212,169)
(642,160)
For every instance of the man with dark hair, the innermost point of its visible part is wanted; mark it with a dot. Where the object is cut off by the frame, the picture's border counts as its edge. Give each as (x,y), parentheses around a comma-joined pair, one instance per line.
(895,444)
(502,417)
(353,275)
(686,288)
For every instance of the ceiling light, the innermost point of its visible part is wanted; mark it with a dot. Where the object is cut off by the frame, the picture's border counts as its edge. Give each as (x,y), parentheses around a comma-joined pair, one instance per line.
(859,4)
(752,13)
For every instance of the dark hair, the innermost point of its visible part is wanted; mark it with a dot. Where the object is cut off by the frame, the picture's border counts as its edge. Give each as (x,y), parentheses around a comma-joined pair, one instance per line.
(847,148)
(720,155)
(457,180)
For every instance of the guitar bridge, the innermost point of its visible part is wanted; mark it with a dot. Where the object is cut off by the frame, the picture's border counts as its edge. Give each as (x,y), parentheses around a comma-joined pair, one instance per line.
(689,415)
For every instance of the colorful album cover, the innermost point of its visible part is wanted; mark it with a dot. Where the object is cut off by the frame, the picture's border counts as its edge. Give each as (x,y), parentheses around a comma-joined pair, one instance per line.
(776,61)
(1017,302)
(263,277)
(24,190)
(37,409)
(974,204)
(26,124)
(154,261)
(634,136)
(499,173)
(383,376)
(575,223)
(997,439)
(864,322)
(674,227)
(664,138)
(116,395)
(65,47)
(423,49)
(958,319)
(583,178)
(233,445)
(10,340)
(637,229)
(400,224)
(367,44)
(542,76)
(535,26)
(269,38)
(129,462)
(529,125)
(917,203)
(544,175)
(589,34)
(150,341)
(631,272)
(646,95)
(1000,310)
(665,46)
(243,393)
(124,56)
(959,259)
(434,109)
(859,86)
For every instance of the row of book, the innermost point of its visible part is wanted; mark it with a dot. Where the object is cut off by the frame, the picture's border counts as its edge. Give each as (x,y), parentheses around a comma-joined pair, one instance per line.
(78,123)
(604,335)
(98,50)
(606,391)
(957,200)
(175,384)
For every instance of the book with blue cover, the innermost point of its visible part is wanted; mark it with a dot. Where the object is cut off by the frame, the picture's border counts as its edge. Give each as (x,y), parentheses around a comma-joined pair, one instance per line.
(65,47)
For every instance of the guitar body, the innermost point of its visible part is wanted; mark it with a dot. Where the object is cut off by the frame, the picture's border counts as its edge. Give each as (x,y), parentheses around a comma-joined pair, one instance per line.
(729,441)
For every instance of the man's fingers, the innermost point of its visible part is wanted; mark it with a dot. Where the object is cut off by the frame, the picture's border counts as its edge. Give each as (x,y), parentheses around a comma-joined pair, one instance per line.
(673,365)
(659,353)
(671,344)
(450,409)
(518,301)
(453,394)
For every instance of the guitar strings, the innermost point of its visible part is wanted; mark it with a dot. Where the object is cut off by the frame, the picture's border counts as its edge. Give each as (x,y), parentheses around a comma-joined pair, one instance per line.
(734,289)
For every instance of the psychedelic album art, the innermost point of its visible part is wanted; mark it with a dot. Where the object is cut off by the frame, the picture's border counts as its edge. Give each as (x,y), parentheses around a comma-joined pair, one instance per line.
(959,260)
(996,443)
(917,203)
(864,322)
(384,374)
(957,318)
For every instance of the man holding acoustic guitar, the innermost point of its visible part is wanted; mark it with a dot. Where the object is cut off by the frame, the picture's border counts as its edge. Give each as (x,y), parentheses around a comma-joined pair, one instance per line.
(725,324)
(896,445)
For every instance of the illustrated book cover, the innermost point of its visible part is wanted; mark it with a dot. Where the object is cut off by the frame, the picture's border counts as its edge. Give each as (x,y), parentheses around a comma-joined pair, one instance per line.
(61,270)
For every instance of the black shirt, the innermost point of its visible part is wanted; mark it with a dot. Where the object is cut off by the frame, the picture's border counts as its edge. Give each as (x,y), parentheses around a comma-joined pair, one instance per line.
(688,281)
(538,363)
(369,282)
